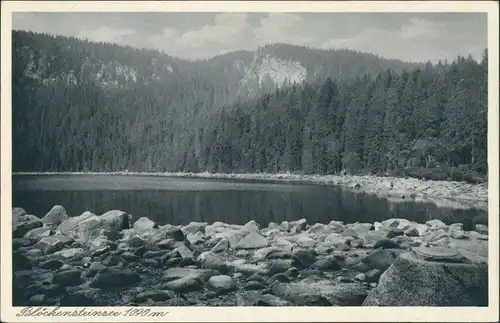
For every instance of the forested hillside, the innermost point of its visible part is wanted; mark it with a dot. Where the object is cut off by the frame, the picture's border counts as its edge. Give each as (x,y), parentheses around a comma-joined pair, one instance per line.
(429,123)
(82,106)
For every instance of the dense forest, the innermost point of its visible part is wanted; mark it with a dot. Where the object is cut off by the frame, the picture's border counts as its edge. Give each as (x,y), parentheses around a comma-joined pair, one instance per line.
(82,106)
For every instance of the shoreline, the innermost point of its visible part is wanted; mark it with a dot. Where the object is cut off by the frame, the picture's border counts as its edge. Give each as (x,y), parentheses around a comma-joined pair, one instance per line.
(108,260)
(449,194)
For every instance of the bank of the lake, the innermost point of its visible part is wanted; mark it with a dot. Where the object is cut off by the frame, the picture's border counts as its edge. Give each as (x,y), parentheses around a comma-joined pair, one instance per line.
(442,193)
(108,260)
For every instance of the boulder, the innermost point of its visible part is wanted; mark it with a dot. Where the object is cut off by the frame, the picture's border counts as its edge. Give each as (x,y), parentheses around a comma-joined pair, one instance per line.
(394,232)
(323,248)
(24,223)
(299,226)
(435,224)
(183,251)
(349,233)
(335,239)
(90,228)
(34,253)
(111,234)
(49,245)
(182,285)
(256,299)
(172,232)
(210,260)
(195,238)
(94,268)
(34,235)
(253,285)
(336,226)
(412,232)
(166,244)
(222,245)
(114,277)
(55,216)
(458,234)
(252,240)
(69,254)
(382,259)
(285,226)
(154,295)
(278,266)
(361,277)
(262,253)
(372,237)
(221,283)
(144,224)
(438,254)
(326,264)
(361,228)
(373,275)
(430,283)
(386,244)
(340,294)
(116,219)
(69,226)
(67,278)
(17,212)
(283,244)
(18,243)
(303,258)
(320,229)
(185,279)
(306,242)
(51,264)
(194,227)
(101,242)
(247,269)
(110,259)
(251,226)
(273,225)
(176,273)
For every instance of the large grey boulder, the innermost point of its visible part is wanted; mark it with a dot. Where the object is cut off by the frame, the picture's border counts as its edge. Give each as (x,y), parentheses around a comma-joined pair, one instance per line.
(55,216)
(413,281)
(34,235)
(251,240)
(144,224)
(22,223)
(221,283)
(114,277)
(69,227)
(341,294)
(117,219)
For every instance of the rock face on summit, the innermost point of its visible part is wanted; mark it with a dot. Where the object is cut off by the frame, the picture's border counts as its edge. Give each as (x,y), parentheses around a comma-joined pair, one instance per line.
(431,277)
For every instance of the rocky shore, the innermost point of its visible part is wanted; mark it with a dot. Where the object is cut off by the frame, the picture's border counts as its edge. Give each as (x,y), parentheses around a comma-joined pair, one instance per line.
(442,193)
(106,260)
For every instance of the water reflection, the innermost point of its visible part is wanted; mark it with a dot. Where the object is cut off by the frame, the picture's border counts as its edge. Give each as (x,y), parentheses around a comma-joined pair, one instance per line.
(315,203)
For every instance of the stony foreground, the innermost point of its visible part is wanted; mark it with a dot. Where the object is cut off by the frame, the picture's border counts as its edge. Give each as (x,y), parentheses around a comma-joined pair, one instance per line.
(107,260)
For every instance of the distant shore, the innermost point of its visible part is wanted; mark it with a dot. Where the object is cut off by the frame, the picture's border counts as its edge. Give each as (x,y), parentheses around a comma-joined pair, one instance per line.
(442,193)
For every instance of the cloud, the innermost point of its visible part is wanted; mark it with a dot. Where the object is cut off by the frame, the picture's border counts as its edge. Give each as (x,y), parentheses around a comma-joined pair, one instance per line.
(226,29)
(106,34)
(413,41)
(281,28)
(169,33)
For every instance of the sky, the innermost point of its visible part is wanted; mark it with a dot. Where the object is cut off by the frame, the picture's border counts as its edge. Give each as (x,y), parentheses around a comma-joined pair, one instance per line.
(416,37)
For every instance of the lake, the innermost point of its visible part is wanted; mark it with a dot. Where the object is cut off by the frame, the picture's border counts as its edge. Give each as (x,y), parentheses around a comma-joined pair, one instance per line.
(182,200)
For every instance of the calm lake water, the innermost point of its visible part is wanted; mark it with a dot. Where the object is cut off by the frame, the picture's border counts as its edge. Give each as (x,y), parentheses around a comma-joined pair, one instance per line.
(182,200)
